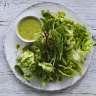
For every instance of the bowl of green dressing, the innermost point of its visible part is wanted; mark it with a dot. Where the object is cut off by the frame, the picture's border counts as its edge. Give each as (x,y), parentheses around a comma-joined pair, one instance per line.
(28,27)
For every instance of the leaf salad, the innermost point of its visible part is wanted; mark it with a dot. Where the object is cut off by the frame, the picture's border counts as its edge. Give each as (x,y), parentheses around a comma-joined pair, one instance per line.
(59,49)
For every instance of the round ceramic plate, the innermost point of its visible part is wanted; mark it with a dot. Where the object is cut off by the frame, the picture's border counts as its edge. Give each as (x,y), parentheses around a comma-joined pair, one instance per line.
(11,40)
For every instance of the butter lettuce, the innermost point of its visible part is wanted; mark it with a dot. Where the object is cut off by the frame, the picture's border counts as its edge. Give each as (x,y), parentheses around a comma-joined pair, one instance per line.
(47,66)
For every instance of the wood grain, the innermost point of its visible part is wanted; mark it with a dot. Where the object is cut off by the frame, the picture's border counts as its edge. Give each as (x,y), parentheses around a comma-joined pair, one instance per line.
(9,85)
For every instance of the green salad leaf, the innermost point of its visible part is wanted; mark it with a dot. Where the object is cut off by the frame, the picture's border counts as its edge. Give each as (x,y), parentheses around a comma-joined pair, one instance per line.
(46,66)
(67,72)
(19,70)
(58,51)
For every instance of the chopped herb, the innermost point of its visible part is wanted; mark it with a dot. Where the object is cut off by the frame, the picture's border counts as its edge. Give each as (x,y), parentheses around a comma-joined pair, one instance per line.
(17,46)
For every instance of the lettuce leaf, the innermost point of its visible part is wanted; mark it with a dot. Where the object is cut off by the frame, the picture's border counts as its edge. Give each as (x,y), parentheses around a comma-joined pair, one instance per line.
(67,72)
(46,66)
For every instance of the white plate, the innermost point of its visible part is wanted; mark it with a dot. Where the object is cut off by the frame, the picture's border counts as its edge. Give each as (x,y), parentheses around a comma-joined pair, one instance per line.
(11,40)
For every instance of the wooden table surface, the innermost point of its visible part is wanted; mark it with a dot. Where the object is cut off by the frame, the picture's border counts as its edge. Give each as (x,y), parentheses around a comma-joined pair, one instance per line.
(9,85)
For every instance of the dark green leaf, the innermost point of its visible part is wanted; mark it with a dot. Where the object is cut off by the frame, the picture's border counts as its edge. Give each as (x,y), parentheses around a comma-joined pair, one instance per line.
(19,70)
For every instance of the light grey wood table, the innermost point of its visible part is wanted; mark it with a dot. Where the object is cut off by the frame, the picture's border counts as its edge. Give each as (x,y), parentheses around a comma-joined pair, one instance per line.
(9,85)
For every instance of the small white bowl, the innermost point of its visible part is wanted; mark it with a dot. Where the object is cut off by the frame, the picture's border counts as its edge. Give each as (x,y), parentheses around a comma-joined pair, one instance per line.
(17,32)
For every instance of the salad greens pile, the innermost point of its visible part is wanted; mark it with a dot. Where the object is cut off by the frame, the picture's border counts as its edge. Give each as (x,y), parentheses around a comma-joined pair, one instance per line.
(59,49)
